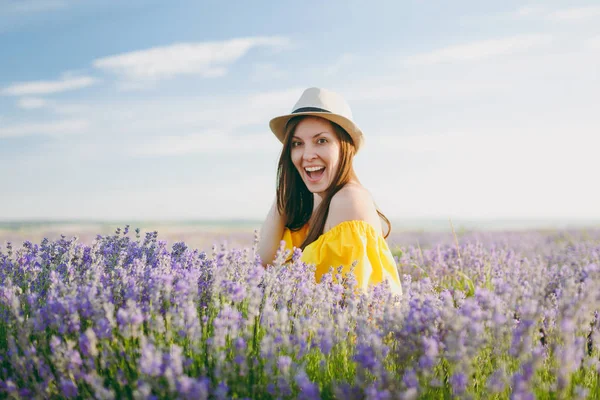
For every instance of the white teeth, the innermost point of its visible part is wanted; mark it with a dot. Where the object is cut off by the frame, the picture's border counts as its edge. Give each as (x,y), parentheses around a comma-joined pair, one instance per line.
(313,169)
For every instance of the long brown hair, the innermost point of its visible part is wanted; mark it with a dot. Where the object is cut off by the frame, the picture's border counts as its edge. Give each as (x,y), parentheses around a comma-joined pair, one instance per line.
(295,202)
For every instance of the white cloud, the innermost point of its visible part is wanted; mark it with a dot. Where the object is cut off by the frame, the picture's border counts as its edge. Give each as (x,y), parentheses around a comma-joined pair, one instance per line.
(69,109)
(275,100)
(48,87)
(479,50)
(415,89)
(574,14)
(252,109)
(267,72)
(32,6)
(345,60)
(205,143)
(495,144)
(55,106)
(593,43)
(149,127)
(55,128)
(31,103)
(571,59)
(565,14)
(529,11)
(207,59)
(488,172)
(431,143)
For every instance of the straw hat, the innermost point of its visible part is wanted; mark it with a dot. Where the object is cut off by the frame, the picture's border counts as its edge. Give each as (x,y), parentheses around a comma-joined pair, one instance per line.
(321,103)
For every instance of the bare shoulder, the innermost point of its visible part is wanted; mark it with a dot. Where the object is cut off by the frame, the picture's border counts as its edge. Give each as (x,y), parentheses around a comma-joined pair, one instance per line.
(352,202)
(350,197)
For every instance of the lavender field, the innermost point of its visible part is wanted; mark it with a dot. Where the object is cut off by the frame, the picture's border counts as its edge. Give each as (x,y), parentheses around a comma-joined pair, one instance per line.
(484,315)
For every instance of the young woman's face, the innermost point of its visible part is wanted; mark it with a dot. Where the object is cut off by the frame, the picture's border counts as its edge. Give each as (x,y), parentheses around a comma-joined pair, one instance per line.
(315,152)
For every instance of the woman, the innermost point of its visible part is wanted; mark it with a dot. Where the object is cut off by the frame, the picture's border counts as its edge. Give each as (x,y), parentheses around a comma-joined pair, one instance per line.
(321,207)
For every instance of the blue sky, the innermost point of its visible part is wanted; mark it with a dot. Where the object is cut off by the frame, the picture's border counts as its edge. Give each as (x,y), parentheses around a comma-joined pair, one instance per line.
(160,110)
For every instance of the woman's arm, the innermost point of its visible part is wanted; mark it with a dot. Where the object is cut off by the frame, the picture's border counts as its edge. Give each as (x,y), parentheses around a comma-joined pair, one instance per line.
(271,233)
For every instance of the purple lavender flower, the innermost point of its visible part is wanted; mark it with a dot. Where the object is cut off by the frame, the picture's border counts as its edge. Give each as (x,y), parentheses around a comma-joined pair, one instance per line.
(459,382)
(410,380)
(88,343)
(283,364)
(372,393)
(173,361)
(365,356)
(325,340)
(68,389)
(222,391)
(430,353)
(308,390)
(409,394)
(129,319)
(497,381)
(171,318)
(151,359)
(193,389)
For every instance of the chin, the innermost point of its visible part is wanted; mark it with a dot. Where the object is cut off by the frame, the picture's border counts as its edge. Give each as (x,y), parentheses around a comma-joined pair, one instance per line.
(316,189)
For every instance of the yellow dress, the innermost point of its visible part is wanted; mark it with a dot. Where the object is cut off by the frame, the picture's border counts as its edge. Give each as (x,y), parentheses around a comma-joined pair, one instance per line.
(342,245)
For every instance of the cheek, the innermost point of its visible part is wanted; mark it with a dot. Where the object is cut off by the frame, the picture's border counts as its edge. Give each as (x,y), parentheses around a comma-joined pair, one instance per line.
(334,156)
(296,159)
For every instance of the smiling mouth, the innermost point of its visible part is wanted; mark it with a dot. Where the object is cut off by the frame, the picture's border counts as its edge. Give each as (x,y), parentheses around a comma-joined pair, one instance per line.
(315,176)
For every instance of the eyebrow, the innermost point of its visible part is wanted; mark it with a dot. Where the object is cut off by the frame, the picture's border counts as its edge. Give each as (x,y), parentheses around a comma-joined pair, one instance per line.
(314,136)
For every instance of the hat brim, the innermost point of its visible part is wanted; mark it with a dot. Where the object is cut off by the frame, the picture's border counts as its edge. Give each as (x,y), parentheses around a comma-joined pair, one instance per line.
(278,124)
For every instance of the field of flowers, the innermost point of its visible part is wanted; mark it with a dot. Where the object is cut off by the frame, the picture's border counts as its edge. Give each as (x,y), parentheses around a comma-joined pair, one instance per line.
(483,316)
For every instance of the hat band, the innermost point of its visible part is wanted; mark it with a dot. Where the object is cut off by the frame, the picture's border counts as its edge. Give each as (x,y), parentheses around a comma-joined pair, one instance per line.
(310,109)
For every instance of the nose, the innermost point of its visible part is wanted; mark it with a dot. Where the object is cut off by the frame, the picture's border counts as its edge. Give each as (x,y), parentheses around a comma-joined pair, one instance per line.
(309,153)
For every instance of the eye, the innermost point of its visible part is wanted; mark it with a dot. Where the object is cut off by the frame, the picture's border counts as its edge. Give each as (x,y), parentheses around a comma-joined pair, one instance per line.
(296,144)
(321,140)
